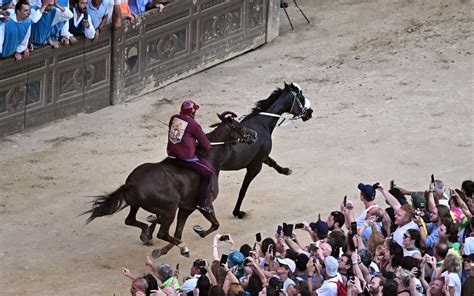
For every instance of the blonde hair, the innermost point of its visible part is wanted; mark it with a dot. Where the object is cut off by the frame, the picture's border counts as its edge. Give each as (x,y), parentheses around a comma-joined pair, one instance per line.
(234,289)
(452,263)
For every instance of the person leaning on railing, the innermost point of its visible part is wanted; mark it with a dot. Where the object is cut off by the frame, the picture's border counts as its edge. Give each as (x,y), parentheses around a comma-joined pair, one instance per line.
(15,32)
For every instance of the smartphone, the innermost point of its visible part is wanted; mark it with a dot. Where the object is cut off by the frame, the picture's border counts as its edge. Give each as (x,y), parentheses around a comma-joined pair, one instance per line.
(289,230)
(279,286)
(223,259)
(270,249)
(299,225)
(392,184)
(432,178)
(258,237)
(224,238)
(313,248)
(279,229)
(345,200)
(376,185)
(285,229)
(319,217)
(354,228)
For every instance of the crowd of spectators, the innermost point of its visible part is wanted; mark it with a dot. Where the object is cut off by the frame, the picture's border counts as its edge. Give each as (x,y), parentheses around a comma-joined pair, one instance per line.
(420,243)
(29,24)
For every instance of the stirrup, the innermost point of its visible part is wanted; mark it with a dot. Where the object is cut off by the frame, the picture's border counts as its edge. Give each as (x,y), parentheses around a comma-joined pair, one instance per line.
(208,210)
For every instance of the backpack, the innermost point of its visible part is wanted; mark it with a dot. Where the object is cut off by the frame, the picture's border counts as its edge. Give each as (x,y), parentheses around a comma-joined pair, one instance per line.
(341,289)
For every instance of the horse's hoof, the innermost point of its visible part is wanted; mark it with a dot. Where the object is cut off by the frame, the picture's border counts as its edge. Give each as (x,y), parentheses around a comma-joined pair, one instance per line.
(239,214)
(287,171)
(185,252)
(145,238)
(199,230)
(156,253)
(153,219)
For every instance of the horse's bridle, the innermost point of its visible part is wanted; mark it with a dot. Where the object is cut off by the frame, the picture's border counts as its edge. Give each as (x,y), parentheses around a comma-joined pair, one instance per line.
(303,108)
(243,138)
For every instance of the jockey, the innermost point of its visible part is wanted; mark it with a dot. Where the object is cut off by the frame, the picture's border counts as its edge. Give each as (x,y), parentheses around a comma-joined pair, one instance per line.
(184,135)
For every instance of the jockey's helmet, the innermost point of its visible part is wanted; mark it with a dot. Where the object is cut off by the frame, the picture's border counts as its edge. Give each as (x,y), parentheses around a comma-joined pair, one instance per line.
(189,107)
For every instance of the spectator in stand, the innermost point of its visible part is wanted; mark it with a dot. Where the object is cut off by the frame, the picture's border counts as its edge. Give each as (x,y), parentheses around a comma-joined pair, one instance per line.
(403,215)
(468,283)
(335,221)
(411,243)
(140,6)
(328,287)
(15,32)
(367,197)
(44,18)
(169,284)
(80,24)
(6,4)
(98,14)
(141,284)
(286,267)
(452,264)
(127,13)
(197,269)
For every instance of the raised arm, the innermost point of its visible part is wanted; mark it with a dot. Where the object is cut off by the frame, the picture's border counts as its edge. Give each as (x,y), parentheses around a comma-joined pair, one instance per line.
(392,201)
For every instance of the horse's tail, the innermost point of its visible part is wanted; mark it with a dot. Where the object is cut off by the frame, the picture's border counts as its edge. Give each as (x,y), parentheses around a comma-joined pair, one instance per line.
(109,204)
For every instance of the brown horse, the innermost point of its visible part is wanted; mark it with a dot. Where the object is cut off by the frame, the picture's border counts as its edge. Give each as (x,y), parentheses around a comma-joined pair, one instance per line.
(163,188)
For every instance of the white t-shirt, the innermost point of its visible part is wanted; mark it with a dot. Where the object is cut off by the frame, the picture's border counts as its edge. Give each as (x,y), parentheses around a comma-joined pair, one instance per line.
(398,234)
(328,288)
(452,279)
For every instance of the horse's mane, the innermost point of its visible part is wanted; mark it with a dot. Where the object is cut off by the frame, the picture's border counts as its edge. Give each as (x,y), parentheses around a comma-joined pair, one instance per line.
(263,105)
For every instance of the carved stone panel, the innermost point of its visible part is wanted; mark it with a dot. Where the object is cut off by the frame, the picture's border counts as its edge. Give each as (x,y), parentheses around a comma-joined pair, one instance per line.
(256,10)
(33,92)
(221,25)
(3,101)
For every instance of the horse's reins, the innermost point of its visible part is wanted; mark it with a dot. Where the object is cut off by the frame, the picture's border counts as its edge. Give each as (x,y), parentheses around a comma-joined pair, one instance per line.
(212,143)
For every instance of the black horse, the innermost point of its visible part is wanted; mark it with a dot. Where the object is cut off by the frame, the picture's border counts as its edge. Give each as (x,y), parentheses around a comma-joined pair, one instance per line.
(263,120)
(161,188)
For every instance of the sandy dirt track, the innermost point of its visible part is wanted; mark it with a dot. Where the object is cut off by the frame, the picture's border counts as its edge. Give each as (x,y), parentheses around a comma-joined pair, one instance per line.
(391,86)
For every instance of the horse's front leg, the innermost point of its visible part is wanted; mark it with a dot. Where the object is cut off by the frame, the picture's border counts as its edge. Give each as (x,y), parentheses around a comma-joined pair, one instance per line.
(273,164)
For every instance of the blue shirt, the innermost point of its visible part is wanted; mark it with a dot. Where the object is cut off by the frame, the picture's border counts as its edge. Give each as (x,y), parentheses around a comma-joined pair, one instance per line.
(96,14)
(433,237)
(138,6)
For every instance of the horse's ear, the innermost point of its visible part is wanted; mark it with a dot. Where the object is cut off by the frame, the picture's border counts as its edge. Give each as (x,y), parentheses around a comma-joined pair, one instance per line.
(220,116)
(286,84)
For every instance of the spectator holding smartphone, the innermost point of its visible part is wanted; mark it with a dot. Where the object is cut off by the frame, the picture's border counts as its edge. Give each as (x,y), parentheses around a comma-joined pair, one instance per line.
(197,270)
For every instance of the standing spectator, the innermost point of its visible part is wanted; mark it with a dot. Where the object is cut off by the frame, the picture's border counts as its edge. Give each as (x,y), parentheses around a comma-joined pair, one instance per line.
(329,286)
(98,14)
(80,24)
(197,269)
(140,6)
(335,221)
(411,243)
(403,215)
(126,12)
(468,284)
(44,18)
(286,267)
(452,265)
(15,32)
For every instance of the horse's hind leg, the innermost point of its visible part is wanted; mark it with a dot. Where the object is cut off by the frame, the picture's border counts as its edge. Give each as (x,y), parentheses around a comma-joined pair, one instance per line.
(211,217)
(273,164)
(132,221)
(163,233)
(183,215)
(252,172)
